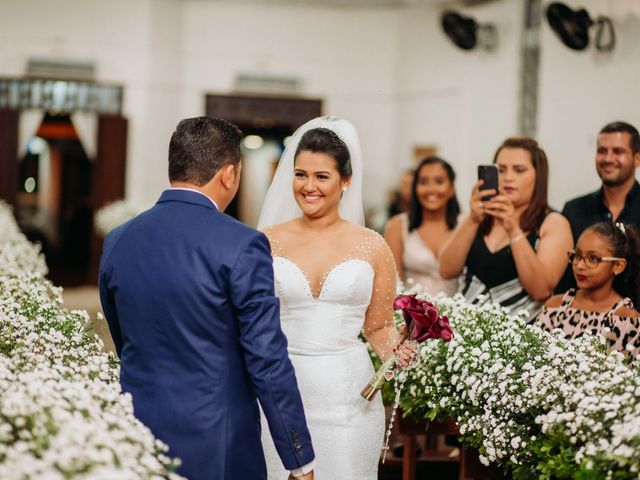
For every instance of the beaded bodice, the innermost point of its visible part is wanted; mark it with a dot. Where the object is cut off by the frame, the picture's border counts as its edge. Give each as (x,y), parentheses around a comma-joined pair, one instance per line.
(331,321)
(324,314)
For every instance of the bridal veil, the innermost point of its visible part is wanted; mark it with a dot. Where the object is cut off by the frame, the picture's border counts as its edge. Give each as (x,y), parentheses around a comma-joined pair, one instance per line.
(280,205)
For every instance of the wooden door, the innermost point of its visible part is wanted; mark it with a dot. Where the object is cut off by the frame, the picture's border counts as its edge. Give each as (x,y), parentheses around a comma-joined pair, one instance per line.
(108,176)
(9,154)
(261,114)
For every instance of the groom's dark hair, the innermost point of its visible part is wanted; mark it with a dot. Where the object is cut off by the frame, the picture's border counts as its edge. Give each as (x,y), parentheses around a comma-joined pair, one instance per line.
(200,146)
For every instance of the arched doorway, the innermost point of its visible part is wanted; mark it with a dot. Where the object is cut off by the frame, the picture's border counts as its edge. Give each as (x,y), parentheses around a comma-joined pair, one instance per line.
(57,175)
(53,200)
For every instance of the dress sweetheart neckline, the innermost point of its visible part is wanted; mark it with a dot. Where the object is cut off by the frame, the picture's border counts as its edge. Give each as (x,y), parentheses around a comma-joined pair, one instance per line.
(326,275)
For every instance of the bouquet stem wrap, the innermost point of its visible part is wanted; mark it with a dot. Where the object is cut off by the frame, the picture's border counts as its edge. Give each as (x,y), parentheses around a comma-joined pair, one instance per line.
(378,379)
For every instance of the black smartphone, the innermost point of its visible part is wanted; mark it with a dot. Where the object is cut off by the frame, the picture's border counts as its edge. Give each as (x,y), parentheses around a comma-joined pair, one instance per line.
(488,173)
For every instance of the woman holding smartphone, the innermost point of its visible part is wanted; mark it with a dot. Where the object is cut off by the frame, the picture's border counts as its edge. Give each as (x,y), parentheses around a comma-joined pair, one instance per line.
(511,246)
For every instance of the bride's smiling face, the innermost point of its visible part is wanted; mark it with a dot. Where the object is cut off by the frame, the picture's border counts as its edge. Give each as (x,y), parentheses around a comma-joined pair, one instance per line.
(317,184)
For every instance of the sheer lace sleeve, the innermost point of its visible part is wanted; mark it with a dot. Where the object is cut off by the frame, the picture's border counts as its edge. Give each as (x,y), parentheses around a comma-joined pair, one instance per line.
(276,249)
(379,326)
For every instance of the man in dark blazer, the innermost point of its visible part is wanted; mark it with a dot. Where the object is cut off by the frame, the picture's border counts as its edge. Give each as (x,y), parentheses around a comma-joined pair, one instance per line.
(188,293)
(618,198)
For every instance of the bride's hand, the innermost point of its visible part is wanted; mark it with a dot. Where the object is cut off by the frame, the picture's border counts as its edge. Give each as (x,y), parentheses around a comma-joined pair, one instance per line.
(406,353)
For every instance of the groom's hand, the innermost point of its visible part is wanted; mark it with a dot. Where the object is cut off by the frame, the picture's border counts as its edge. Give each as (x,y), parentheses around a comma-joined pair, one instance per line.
(308,476)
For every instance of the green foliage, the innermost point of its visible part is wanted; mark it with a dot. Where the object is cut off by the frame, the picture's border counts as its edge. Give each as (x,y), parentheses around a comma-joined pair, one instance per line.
(530,401)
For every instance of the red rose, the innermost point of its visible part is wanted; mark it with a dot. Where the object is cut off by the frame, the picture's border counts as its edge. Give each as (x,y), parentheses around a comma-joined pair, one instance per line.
(423,319)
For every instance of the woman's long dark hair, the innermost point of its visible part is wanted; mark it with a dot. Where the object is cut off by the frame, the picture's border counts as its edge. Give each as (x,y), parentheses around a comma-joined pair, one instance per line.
(538,208)
(625,243)
(453,208)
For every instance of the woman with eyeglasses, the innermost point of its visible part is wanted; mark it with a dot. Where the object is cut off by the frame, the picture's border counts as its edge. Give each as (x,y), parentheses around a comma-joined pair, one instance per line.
(606,266)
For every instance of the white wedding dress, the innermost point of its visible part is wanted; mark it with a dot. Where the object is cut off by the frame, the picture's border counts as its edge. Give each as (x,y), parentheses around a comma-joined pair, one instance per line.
(322,327)
(332,366)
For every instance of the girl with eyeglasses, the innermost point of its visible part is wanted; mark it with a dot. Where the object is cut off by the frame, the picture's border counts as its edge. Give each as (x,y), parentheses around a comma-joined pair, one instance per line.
(606,266)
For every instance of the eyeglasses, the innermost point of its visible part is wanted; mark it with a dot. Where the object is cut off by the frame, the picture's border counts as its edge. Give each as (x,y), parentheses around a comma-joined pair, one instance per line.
(591,261)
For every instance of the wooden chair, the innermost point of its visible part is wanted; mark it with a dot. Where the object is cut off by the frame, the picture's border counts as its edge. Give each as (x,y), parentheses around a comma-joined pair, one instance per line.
(470,466)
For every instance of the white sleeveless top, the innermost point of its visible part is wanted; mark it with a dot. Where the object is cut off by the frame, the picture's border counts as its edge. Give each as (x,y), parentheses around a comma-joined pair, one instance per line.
(421,265)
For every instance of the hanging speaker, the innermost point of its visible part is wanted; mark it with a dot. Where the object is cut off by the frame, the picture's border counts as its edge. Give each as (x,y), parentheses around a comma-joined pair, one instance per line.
(461,30)
(466,33)
(572,27)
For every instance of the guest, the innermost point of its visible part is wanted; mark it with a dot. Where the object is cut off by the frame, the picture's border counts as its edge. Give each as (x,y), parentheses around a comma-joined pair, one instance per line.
(398,201)
(617,199)
(416,237)
(401,198)
(606,265)
(510,247)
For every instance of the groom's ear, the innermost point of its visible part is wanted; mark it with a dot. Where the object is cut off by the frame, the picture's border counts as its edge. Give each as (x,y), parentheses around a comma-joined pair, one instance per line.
(228,175)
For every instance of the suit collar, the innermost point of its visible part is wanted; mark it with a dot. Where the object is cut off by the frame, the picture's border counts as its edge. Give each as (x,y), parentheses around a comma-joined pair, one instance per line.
(187,196)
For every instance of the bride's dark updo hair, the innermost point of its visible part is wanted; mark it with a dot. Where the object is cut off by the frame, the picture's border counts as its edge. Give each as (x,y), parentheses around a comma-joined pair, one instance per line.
(323,140)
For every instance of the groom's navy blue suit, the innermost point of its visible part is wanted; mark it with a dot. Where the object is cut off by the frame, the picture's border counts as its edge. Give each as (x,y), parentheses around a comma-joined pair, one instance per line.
(189,297)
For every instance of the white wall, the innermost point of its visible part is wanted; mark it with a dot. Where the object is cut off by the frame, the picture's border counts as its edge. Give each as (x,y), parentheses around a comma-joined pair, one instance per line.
(121,38)
(580,92)
(392,72)
(347,57)
(466,103)
(169,53)
(462,102)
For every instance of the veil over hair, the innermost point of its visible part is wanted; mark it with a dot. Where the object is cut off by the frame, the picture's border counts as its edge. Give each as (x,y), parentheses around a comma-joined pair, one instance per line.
(280,205)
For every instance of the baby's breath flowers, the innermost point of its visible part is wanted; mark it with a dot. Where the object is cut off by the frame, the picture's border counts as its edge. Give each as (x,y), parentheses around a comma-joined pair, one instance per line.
(62,412)
(543,406)
(113,215)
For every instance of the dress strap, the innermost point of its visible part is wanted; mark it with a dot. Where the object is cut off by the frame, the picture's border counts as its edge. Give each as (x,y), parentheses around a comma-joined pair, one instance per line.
(405,225)
(625,302)
(567,299)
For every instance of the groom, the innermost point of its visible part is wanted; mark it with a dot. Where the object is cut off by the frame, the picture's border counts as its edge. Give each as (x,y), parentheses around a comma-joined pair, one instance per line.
(189,297)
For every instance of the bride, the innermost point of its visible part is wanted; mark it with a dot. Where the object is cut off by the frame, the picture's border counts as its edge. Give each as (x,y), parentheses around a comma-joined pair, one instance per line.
(334,279)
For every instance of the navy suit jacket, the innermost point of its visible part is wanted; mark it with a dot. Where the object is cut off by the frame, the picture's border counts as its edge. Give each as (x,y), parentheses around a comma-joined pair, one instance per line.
(189,297)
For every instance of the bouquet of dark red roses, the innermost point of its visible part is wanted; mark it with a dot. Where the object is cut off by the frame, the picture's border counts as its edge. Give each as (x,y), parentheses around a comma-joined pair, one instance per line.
(423,321)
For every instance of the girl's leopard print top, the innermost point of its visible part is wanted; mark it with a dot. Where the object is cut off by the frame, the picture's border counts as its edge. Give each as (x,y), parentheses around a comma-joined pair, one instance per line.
(622,333)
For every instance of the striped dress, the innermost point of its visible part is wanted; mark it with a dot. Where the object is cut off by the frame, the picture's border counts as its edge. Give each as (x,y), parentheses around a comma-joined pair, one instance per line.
(494,275)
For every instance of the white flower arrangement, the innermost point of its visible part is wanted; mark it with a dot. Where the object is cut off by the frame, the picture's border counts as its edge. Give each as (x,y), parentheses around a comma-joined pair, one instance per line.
(62,412)
(541,405)
(114,214)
